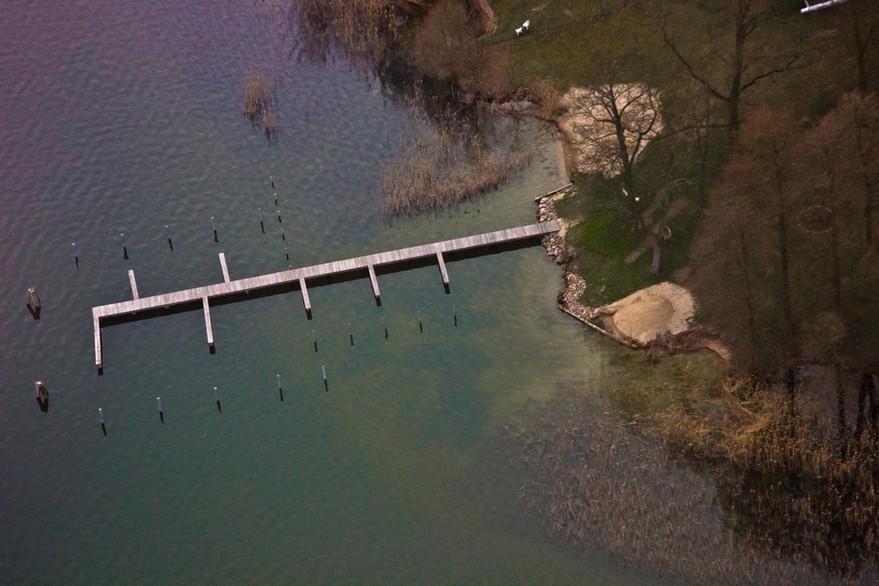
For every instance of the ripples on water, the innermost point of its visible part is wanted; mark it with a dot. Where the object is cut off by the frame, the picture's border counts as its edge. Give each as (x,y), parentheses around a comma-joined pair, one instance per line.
(126,117)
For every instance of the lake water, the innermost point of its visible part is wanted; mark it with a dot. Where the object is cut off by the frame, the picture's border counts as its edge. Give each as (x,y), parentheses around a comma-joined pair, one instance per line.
(124,117)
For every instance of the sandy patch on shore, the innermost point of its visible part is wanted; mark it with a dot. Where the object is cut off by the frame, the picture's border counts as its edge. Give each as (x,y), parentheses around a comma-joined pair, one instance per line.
(643,316)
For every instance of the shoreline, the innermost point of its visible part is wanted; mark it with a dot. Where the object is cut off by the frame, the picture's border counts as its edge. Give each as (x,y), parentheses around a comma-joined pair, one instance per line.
(573,285)
(557,248)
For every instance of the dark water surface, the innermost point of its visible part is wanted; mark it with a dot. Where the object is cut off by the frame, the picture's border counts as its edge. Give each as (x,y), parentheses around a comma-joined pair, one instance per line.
(123,117)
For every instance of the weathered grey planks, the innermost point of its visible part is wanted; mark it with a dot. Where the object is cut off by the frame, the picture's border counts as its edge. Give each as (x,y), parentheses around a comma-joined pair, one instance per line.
(301,275)
(442,266)
(133,283)
(207,320)
(223,266)
(304,290)
(374,280)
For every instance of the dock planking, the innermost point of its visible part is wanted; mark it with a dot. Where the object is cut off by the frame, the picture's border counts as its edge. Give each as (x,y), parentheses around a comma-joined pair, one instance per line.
(301,275)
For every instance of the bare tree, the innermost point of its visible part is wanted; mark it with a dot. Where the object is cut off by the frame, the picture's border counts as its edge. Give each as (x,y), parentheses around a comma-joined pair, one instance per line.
(746,63)
(615,123)
(863,24)
(848,137)
(763,170)
(447,46)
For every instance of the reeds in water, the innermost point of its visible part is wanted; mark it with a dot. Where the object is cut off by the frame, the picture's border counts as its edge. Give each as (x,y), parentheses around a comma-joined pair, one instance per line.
(600,481)
(259,103)
(446,164)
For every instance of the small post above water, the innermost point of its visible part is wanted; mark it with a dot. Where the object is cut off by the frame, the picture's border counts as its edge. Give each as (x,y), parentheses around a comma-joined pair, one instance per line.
(34,304)
(42,394)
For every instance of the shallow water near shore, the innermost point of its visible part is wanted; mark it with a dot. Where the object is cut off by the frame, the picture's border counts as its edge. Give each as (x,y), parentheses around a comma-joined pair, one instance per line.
(121,118)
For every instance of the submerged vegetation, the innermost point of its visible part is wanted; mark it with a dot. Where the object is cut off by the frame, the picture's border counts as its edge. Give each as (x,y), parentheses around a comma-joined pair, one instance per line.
(597,479)
(720,481)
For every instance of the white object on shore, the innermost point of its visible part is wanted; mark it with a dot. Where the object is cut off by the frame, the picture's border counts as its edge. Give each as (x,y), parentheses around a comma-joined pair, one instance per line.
(526,24)
(519,32)
(820,5)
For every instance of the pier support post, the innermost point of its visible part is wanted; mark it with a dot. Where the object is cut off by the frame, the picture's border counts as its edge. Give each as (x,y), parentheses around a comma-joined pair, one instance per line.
(99,358)
(133,283)
(442,267)
(374,280)
(224,267)
(305,300)
(207,322)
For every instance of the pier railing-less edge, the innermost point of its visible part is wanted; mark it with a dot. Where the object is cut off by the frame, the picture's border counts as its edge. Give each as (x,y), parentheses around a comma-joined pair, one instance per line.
(301,275)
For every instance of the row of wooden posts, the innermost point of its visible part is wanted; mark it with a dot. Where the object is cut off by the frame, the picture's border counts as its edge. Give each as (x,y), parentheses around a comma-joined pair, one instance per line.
(124,243)
(217,400)
(42,393)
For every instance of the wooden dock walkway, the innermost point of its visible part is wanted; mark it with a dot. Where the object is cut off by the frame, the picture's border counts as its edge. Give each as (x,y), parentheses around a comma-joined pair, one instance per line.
(301,275)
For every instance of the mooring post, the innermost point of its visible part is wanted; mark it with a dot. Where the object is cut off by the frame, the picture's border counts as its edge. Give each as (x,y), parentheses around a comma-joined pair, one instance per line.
(168,236)
(420,325)
(280,389)
(314,340)
(276,198)
(262,226)
(214,228)
(272,180)
(101,419)
(217,399)
(350,334)
(124,247)
(279,215)
(287,253)
(385,323)
(75,255)
(323,373)
(161,411)
(455,314)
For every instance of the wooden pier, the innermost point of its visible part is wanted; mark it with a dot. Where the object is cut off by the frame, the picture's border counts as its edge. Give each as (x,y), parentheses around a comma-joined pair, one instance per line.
(301,275)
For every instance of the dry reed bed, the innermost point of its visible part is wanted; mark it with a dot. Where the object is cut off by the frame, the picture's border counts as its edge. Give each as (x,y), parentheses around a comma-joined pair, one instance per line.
(759,499)
(443,169)
(600,482)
